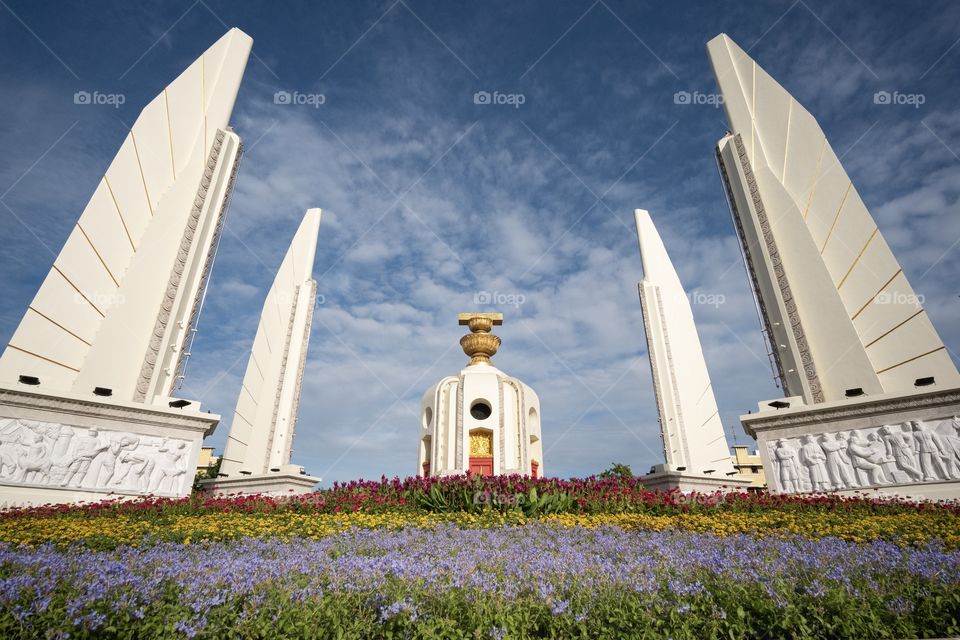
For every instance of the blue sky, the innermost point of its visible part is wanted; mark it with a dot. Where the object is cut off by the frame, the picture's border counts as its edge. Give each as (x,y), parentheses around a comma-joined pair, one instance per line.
(430,199)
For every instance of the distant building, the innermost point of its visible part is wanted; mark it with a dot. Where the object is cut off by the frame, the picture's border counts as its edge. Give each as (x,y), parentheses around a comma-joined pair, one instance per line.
(748,466)
(205,460)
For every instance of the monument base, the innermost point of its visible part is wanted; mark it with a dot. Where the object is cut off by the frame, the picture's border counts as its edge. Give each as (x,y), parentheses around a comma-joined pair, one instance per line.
(892,445)
(926,491)
(70,448)
(665,480)
(272,484)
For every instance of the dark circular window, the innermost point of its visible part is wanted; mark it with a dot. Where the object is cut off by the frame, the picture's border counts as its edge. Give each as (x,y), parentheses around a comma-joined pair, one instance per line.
(480,410)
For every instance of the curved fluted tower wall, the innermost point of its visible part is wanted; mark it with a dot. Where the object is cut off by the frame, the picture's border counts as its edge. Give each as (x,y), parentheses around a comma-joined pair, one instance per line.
(837,307)
(690,424)
(261,435)
(118,306)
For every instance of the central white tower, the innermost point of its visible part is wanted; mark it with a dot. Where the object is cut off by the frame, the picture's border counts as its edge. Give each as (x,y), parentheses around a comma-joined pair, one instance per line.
(482,420)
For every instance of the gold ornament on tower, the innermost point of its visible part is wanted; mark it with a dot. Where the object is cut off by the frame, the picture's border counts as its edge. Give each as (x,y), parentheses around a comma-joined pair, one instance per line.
(481,443)
(480,344)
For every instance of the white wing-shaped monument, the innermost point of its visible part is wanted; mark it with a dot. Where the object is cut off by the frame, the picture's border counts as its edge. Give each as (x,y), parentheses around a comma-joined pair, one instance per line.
(838,308)
(862,367)
(117,308)
(87,380)
(694,445)
(256,458)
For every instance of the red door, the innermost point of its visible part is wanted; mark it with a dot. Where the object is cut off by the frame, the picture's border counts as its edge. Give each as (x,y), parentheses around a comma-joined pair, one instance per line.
(534,468)
(481,465)
(426,469)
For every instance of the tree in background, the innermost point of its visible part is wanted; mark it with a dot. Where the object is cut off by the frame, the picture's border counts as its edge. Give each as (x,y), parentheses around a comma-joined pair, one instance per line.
(618,470)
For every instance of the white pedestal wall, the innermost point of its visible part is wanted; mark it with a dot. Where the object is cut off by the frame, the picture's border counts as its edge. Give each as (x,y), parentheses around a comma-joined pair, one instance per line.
(867,444)
(69,448)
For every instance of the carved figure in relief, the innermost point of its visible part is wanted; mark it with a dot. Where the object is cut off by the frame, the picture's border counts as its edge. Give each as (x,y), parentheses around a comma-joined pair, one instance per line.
(34,463)
(930,450)
(789,469)
(8,461)
(951,445)
(866,460)
(775,464)
(899,446)
(86,448)
(62,436)
(168,469)
(843,438)
(104,463)
(814,459)
(135,466)
(837,463)
(9,446)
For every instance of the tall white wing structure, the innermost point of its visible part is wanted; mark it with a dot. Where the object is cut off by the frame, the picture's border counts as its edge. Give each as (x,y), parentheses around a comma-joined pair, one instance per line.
(838,311)
(118,308)
(693,438)
(261,436)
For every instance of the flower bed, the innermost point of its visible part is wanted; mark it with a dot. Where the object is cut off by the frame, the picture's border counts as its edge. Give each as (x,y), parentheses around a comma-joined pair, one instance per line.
(481,502)
(482,558)
(539,580)
(109,531)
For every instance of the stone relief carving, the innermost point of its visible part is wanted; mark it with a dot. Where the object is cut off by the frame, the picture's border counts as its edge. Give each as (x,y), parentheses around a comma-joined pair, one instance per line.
(789,467)
(912,452)
(59,455)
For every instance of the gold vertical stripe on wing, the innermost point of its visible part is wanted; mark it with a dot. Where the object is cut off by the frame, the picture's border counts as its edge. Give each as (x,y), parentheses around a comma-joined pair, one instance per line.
(143,178)
(891,330)
(816,178)
(874,296)
(173,161)
(57,324)
(99,257)
(786,144)
(37,355)
(857,259)
(836,217)
(753,112)
(120,213)
(911,360)
(203,97)
(77,289)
